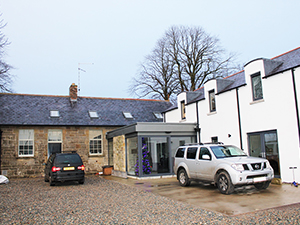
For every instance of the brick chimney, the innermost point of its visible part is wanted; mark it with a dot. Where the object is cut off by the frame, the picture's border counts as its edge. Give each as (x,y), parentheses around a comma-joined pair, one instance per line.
(73,93)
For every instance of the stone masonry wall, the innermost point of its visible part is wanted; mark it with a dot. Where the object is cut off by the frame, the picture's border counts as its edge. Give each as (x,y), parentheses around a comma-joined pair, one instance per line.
(74,139)
(119,153)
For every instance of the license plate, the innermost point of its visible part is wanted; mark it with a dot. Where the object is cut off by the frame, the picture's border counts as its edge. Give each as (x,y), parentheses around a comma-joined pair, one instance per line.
(259,179)
(69,168)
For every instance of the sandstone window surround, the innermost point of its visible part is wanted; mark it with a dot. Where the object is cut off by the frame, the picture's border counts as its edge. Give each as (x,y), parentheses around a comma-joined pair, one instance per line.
(95,137)
(26,140)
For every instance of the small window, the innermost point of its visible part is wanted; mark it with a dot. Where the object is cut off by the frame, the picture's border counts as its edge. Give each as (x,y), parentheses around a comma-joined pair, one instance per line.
(257,92)
(95,142)
(212,101)
(93,114)
(191,153)
(183,115)
(204,151)
(26,140)
(54,141)
(54,113)
(214,139)
(127,115)
(180,153)
(158,115)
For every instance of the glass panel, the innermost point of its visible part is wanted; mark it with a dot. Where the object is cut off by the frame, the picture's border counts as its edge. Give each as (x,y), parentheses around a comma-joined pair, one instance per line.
(54,148)
(212,101)
(155,155)
(257,87)
(271,148)
(132,156)
(255,145)
(55,135)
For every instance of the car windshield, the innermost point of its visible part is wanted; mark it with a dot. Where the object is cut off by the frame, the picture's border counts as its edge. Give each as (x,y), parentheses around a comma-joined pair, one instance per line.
(68,159)
(227,151)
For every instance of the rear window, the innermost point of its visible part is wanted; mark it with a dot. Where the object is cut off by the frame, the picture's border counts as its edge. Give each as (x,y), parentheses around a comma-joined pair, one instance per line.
(180,153)
(191,153)
(68,159)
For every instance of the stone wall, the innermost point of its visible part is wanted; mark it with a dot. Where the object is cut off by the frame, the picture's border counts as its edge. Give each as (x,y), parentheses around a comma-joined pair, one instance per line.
(119,153)
(74,139)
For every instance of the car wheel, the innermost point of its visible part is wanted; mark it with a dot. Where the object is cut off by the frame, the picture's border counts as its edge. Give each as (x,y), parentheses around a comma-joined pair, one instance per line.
(224,183)
(81,181)
(46,178)
(52,183)
(261,186)
(183,178)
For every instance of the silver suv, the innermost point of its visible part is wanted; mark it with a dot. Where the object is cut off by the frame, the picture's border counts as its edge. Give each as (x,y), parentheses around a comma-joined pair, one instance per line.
(225,166)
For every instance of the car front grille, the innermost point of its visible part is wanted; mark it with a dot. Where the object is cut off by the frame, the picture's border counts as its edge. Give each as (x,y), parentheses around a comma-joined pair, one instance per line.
(256,166)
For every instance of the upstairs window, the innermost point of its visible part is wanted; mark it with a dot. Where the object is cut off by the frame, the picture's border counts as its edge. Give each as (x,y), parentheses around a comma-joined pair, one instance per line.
(54,113)
(127,115)
(93,114)
(257,92)
(26,141)
(182,104)
(212,101)
(158,115)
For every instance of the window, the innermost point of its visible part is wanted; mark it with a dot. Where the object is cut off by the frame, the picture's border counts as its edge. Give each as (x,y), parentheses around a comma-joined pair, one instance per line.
(54,113)
(256,86)
(212,101)
(158,115)
(180,153)
(127,115)
(182,104)
(54,141)
(93,114)
(214,139)
(204,151)
(95,142)
(191,153)
(26,140)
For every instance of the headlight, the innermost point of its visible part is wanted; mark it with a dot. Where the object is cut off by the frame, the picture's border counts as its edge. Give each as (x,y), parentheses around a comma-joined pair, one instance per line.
(238,167)
(268,165)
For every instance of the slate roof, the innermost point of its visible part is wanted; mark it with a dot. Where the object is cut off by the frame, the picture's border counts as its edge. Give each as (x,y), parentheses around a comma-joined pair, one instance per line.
(19,109)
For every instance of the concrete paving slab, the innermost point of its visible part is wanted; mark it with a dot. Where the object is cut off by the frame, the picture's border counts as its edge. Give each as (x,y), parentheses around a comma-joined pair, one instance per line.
(243,200)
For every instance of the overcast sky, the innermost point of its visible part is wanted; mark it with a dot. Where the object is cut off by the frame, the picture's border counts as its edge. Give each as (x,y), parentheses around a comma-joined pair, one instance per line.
(49,38)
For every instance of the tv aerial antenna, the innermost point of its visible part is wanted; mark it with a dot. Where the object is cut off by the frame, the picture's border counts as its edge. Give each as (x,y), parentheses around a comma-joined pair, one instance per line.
(80,69)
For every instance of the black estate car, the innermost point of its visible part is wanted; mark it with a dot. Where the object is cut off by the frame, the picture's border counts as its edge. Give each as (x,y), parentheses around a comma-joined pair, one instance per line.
(64,167)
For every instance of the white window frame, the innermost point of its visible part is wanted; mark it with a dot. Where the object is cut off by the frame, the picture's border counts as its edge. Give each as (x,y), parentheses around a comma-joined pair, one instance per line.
(212,101)
(127,115)
(54,113)
(26,137)
(93,114)
(94,137)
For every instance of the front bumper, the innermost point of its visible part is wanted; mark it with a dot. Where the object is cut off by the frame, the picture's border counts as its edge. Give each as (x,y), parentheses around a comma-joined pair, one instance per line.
(251,177)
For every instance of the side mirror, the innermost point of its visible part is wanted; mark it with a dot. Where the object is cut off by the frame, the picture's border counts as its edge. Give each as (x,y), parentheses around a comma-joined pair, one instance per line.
(207,157)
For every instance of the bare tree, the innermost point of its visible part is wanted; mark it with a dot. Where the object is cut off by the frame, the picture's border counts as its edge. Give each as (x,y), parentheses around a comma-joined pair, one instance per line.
(182,60)
(6,78)
(156,77)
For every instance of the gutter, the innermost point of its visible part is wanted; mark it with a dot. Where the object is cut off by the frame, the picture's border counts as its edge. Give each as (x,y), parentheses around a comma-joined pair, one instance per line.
(296,102)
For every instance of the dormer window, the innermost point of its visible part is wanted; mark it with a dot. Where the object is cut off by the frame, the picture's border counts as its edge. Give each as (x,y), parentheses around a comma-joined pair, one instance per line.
(256,87)
(158,115)
(54,113)
(182,105)
(93,114)
(127,115)
(212,101)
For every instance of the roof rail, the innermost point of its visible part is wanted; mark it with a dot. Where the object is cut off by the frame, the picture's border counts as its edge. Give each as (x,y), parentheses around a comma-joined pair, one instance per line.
(216,143)
(188,144)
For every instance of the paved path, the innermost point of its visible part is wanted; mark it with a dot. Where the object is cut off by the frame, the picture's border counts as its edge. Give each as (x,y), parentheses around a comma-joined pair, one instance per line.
(101,201)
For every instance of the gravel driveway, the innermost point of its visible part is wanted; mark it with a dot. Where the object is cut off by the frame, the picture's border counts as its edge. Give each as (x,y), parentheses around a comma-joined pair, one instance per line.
(101,201)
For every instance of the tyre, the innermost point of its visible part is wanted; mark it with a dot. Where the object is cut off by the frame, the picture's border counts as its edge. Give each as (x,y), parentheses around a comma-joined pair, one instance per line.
(224,183)
(183,178)
(81,181)
(52,183)
(46,178)
(261,186)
